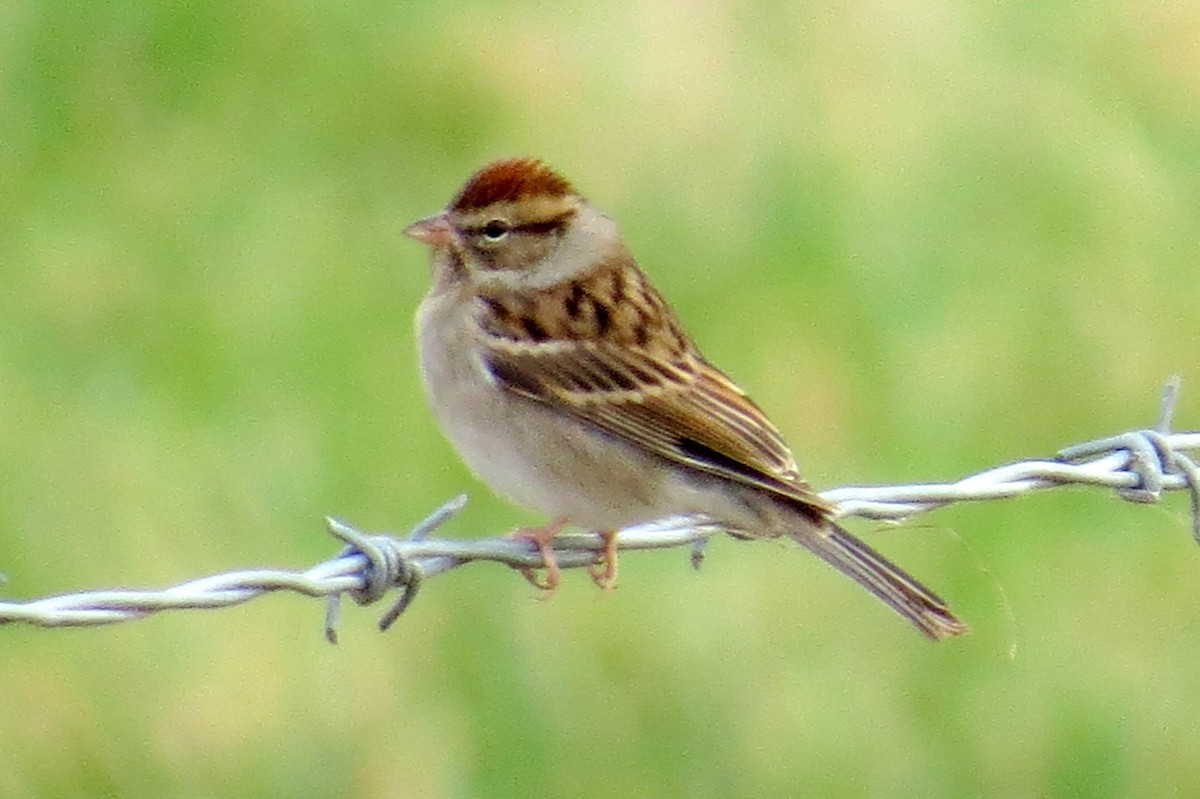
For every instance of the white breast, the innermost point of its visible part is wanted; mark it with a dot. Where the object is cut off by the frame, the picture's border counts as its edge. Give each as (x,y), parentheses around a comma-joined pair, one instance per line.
(523,450)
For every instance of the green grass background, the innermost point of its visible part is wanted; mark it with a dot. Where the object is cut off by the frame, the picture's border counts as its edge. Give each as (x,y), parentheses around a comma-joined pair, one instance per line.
(928,237)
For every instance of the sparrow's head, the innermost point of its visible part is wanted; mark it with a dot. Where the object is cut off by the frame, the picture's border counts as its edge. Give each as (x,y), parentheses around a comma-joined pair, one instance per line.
(516,223)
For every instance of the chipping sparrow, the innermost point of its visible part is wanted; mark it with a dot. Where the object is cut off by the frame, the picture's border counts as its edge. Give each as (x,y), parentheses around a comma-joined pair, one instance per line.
(565,382)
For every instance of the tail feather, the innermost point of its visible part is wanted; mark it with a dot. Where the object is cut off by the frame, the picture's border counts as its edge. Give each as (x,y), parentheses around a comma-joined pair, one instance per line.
(897,589)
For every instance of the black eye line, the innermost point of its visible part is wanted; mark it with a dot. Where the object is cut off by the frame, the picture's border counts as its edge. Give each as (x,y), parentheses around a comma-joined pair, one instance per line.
(528,227)
(541,227)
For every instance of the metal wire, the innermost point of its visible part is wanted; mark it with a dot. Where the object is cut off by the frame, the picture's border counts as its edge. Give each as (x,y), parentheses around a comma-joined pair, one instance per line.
(1139,466)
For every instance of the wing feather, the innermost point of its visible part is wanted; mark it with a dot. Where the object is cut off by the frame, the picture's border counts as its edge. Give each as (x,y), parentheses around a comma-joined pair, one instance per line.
(680,407)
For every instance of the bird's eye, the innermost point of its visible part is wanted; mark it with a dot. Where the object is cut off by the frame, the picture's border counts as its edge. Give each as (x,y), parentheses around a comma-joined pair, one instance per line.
(496,230)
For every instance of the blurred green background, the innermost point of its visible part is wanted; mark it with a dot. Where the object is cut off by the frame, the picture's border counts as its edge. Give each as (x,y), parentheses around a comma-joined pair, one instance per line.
(928,237)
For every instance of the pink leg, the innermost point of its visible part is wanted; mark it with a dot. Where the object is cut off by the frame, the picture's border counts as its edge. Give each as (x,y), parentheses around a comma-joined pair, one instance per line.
(542,537)
(606,578)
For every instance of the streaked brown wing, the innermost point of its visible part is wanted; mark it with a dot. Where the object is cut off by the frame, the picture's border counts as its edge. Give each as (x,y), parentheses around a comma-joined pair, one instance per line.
(673,404)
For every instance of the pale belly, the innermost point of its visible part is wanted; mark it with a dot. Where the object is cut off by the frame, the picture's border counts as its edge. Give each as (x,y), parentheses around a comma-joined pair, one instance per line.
(535,456)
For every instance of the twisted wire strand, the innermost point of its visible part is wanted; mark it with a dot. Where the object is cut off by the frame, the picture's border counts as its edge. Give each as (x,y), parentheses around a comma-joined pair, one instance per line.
(1139,466)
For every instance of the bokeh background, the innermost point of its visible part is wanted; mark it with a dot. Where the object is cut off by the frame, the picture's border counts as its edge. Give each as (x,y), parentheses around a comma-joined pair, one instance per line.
(929,237)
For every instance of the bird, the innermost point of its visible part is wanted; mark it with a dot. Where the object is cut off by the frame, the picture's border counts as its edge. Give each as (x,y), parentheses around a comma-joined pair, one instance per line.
(566,382)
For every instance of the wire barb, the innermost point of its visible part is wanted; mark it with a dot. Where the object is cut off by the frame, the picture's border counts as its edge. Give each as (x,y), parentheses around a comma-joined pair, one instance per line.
(387,568)
(1155,457)
(1139,466)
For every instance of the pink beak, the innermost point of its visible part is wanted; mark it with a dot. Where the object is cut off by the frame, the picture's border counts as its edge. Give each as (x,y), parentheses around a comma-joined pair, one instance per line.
(433,230)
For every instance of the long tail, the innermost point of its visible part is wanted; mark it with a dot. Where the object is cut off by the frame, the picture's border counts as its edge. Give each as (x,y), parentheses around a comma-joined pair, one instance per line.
(922,608)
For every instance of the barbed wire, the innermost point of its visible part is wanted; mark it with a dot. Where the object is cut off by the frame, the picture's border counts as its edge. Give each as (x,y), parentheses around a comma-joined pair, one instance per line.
(1139,466)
